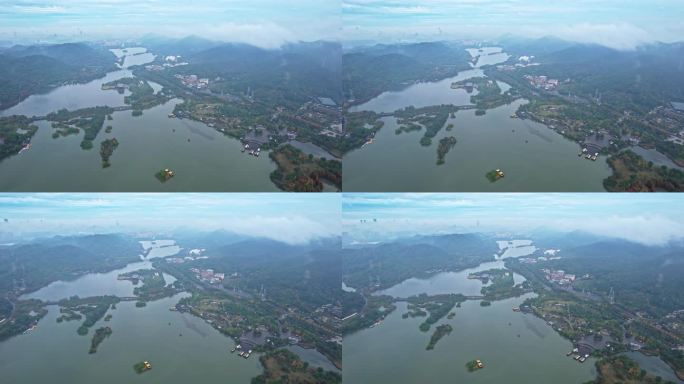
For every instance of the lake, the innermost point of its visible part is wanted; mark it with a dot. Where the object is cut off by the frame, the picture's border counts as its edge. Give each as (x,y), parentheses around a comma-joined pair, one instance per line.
(515,347)
(99,284)
(181,348)
(532,156)
(202,158)
(458,282)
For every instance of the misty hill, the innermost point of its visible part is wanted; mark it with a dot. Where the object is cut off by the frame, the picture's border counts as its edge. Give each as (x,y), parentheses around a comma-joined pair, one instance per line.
(638,80)
(391,263)
(304,275)
(27,70)
(290,75)
(369,71)
(177,47)
(644,277)
(534,47)
(36,264)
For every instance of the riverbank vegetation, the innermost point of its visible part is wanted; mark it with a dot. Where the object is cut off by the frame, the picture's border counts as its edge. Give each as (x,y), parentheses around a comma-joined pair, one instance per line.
(376,308)
(641,313)
(282,363)
(299,172)
(26,314)
(15,133)
(631,173)
(621,369)
(361,128)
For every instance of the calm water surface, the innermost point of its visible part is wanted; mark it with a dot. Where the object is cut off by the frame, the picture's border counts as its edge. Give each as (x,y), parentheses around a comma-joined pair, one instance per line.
(533,156)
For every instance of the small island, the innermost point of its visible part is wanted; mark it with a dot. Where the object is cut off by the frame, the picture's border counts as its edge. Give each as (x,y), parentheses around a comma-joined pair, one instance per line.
(164,175)
(494,175)
(142,367)
(98,338)
(107,148)
(440,331)
(474,365)
(445,144)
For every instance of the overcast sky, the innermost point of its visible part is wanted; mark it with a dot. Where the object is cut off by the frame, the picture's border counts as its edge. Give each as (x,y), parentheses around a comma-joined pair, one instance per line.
(292,218)
(266,23)
(646,218)
(620,24)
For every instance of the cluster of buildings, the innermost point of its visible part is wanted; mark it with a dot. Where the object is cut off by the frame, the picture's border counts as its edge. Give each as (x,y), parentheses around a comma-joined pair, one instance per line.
(193,81)
(543,82)
(558,276)
(329,314)
(323,112)
(671,119)
(208,275)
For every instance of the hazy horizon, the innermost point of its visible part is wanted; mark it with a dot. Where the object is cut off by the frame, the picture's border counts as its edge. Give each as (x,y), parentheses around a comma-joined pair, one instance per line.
(293,219)
(645,219)
(265,23)
(612,23)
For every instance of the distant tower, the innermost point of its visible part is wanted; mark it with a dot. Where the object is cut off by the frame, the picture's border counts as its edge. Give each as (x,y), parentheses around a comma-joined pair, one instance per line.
(611,296)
